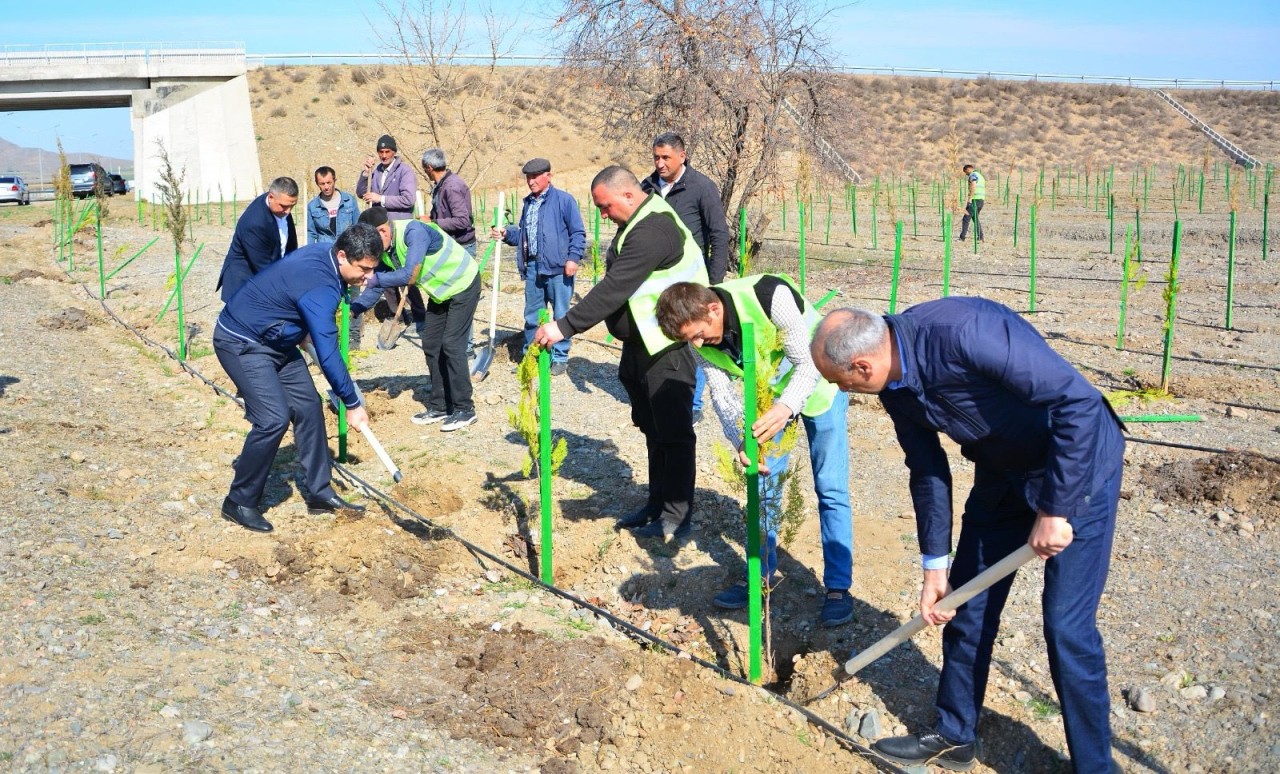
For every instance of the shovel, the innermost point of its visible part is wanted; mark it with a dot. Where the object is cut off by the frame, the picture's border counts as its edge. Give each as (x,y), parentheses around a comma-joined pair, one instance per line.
(480,368)
(372,439)
(393,327)
(956,598)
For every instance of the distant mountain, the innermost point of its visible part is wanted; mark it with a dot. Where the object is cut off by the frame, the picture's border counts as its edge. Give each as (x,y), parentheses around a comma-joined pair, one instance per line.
(27,161)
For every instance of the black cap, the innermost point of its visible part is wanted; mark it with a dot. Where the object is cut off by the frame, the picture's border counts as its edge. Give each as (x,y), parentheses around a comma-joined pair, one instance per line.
(387,141)
(374,216)
(535,167)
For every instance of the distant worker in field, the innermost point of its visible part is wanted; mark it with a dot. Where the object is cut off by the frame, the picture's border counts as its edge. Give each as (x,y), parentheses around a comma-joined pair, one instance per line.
(697,201)
(977,195)
(332,211)
(550,240)
(256,340)
(450,206)
(711,320)
(651,251)
(1048,454)
(264,234)
(421,254)
(389,183)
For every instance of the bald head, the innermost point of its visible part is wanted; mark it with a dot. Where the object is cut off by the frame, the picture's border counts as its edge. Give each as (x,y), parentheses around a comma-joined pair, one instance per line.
(616,191)
(852,349)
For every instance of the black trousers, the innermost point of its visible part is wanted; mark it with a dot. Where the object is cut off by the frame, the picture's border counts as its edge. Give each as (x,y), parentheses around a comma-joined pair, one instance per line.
(277,391)
(973,210)
(661,393)
(444,342)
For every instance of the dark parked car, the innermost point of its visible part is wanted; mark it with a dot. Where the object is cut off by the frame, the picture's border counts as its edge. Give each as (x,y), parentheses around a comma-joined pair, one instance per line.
(14,189)
(118,185)
(89,180)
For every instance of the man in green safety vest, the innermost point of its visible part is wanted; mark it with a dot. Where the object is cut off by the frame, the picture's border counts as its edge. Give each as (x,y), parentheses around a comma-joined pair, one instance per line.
(652,250)
(977,195)
(421,254)
(711,319)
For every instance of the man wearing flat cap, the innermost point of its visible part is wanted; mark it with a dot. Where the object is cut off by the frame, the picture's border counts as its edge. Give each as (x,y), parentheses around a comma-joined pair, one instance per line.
(388,182)
(550,240)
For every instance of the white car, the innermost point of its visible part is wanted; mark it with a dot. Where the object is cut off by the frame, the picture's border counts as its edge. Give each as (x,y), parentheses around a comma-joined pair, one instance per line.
(14,189)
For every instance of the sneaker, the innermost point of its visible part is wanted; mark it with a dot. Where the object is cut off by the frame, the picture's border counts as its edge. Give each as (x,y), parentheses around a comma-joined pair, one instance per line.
(837,608)
(430,417)
(661,529)
(736,596)
(458,420)
(928,749)
(559,369)
(646,515)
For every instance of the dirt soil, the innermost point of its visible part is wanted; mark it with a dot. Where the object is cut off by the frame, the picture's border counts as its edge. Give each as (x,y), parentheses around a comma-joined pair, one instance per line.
(144,633)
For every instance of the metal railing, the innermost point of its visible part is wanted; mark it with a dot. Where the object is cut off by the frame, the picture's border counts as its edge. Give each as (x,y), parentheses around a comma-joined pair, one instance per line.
(1236,153)
(99,53)
(825,150)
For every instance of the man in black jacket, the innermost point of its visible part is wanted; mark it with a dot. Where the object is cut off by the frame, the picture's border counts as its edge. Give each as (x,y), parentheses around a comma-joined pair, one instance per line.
(264,234)
(697,201)
(651,251)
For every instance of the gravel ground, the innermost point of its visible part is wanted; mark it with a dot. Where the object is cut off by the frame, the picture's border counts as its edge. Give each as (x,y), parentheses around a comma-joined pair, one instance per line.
(142,631)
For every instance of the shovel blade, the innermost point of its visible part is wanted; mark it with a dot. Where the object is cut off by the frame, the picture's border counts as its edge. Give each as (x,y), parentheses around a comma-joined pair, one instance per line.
(480,368)
(390,332)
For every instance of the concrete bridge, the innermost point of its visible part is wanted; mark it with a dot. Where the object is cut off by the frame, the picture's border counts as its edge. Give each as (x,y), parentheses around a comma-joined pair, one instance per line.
(192,100)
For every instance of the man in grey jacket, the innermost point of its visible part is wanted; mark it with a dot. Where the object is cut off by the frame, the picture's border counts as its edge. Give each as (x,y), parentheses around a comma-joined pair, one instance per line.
(386,181)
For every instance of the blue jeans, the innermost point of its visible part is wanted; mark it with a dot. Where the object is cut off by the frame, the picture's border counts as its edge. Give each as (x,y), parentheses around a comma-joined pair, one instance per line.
(538,290)
(699,385)
(997,520)
(829,459)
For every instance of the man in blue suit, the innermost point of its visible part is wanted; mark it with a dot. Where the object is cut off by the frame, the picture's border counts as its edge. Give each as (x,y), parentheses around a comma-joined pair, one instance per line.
(256,340)
(264,234)
(1048,452)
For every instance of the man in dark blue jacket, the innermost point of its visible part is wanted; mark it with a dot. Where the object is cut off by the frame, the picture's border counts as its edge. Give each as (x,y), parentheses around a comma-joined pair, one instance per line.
(256,340)
(1048,452)
(550,241)
(264,234)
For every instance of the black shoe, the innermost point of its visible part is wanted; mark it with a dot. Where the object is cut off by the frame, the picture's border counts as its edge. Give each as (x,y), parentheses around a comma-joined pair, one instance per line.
(458,420)
(249,518)
(930,749)
(319,505)
(645,515)
(662,529)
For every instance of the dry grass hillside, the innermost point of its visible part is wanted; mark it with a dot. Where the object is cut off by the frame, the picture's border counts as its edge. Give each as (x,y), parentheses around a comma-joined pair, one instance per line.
(306,116)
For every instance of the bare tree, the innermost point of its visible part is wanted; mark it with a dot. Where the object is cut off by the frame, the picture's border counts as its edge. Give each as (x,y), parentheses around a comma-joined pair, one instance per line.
(717,71)
(454,101)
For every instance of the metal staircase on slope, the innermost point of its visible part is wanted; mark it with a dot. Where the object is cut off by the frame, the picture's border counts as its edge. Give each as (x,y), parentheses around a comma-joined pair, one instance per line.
(1236,153)
(824,148)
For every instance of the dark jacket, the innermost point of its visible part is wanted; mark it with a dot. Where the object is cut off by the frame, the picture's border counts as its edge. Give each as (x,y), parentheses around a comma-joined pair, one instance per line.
(697,201)
(561,235)
(400,188)
(451,208)
(318,229)
(254,246)
(975,370)
(652,244)
(291,299)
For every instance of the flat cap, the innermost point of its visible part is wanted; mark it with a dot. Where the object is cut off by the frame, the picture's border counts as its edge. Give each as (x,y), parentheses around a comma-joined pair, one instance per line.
(536,167)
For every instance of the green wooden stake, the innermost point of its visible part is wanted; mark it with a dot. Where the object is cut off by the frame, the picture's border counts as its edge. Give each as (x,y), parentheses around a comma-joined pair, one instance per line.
(784,214)
(182,314)
(897,267)
(1137,232)
(1032,289)
(97,227)
(1227,190)
(915,223)
(151,206)
(800,206)
(875,230)
(344,349)
(1124,291)
(752,449)
(1034,227)
(1111,224)
(742,241)
(595,247)
(1175,202)
(827,239)
(169,302)
(1231,268)
(544,457)
(138,199)
(946,254)
(1266,206)
(853,209)
(1017,210)
(1171,298)
(102,277)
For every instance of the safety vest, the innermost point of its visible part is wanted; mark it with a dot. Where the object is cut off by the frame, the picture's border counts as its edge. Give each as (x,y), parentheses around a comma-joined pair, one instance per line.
(445,273)
(691,268)
(742,292)
(979,185)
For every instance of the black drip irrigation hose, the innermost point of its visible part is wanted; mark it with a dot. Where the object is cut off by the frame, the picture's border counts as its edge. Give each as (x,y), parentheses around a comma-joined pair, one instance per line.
(1193,447)
(633,631)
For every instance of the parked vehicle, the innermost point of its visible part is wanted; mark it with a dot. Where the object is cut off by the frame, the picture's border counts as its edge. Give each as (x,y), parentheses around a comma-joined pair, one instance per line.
(118,185)
(89,180)
(14,189)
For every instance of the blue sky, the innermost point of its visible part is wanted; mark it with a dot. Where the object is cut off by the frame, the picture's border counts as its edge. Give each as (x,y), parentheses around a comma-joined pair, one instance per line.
(1235,40)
